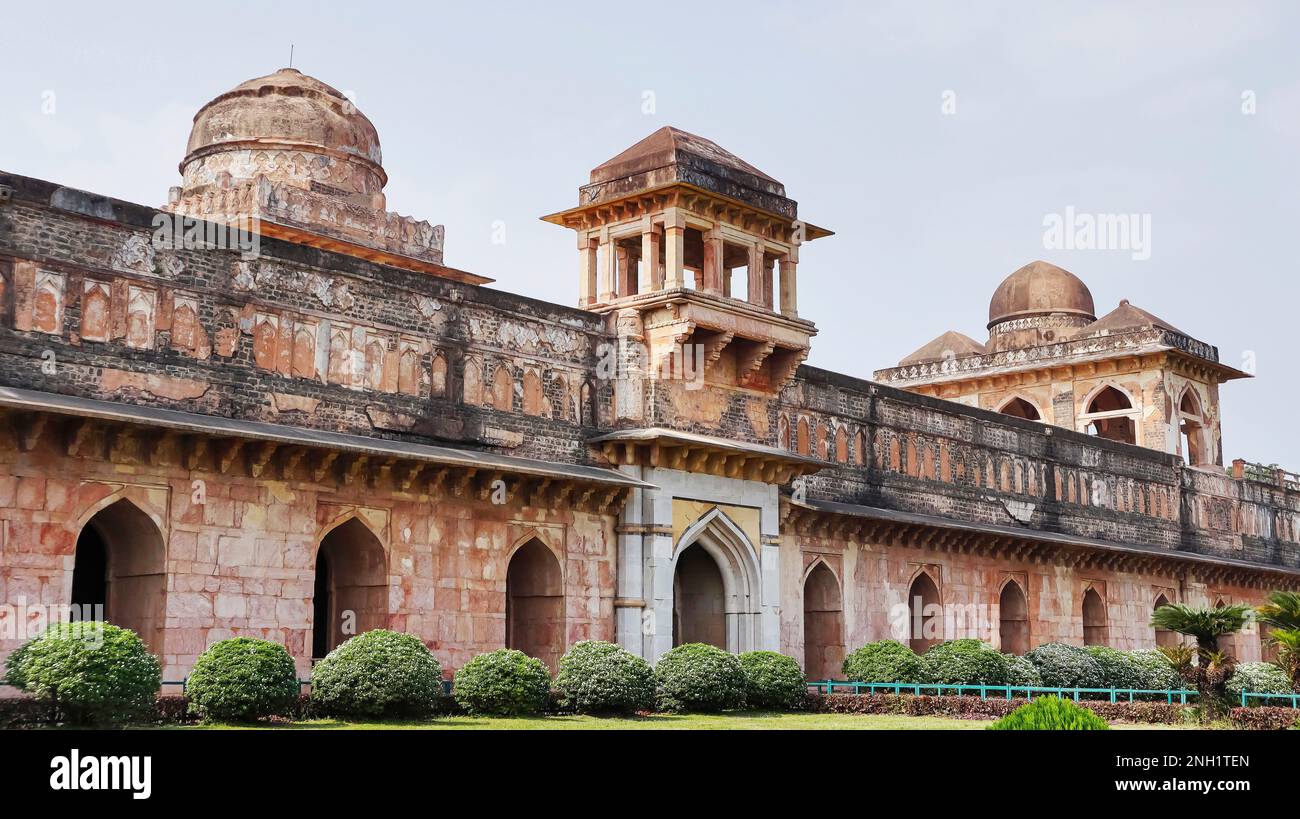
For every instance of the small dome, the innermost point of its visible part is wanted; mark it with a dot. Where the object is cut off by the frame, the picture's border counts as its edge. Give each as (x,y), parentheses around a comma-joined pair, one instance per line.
(287,110)
(1040,288)
(951,345)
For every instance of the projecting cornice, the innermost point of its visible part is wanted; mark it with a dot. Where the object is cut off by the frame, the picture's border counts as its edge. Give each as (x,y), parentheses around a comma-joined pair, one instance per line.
(689,452)
(867,524)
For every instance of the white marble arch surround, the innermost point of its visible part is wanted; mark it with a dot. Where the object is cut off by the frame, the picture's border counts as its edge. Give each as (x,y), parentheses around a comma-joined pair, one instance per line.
(648,555)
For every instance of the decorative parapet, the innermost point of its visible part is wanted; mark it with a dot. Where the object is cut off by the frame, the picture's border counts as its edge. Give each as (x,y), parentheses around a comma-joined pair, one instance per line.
(327,215)
(920,455)
(1065,353)
(1270,474)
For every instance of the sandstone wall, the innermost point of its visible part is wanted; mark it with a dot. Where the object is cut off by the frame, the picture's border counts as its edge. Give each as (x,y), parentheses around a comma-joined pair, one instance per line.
(296,336)
(898,450)
(243,561)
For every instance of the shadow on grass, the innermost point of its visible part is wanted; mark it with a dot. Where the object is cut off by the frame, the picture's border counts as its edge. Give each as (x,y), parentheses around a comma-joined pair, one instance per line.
(472,721)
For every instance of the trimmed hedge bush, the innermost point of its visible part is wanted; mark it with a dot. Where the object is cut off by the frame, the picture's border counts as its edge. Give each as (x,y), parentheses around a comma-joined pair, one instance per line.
(699,677)
(885,661)
(377,673)
(1021,672)
(1154,671)
(14,664)
(89,673)
(1258,678)
(1118,669)
(1050,714)
(773,680)
(964,662)
(991,708)
(504,683)
(1265,718)
(597,677)
(1063,666)
(242,680)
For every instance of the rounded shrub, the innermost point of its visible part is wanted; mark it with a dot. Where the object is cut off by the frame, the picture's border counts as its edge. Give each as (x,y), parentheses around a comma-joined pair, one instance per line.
(242,680)
(964,662)
(885,661)
(773,680)
(597,677)
(14,664)
(377,673)
(1063,666)
(504,683)
(1118,669)
(699,677)
(1258,678)
(90,673)
(1154,671)
(1022,672)
(1050,714)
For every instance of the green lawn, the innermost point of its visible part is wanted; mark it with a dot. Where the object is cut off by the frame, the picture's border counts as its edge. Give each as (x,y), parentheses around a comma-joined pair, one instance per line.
(745,721)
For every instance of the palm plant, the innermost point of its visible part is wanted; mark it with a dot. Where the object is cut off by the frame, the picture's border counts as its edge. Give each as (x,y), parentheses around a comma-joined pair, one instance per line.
(1287,642)
(1213,666)
(1282,611)
(1282,615)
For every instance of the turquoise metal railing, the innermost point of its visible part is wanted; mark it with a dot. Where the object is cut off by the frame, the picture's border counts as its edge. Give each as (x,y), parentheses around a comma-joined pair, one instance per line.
(1293,699)
(1003,691)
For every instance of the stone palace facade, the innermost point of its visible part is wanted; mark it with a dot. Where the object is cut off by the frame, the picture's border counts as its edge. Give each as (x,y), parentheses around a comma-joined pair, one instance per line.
(269,408)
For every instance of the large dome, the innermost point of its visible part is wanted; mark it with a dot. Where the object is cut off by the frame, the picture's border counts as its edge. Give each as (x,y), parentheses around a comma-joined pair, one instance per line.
(296,159)
(1039,289)
(281,120)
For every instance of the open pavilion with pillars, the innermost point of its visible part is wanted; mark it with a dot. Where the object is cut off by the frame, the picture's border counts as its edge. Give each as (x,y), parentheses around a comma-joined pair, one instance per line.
(664,227)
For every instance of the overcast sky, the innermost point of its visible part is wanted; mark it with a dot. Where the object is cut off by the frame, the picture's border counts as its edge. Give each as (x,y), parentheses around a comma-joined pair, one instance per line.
(496,112)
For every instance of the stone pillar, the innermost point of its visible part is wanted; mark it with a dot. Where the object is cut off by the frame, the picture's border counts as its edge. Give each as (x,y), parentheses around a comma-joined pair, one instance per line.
(629,603)
(789,267)
(769,280)
(674,249)
(760,286)
(713,270)
(650,241)
(627,280)
(608,263)
(628,390)
(587,249)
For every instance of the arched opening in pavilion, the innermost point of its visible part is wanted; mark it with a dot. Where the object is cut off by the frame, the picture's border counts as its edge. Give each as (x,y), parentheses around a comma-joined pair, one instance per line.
(1020,408)
(1110,415)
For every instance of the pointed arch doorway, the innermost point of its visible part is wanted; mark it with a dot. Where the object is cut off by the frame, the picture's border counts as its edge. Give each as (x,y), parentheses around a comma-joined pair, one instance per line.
(716,593)
(120,564)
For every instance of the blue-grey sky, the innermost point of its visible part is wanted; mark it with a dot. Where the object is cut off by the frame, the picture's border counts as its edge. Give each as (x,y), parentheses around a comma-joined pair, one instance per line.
(495,112)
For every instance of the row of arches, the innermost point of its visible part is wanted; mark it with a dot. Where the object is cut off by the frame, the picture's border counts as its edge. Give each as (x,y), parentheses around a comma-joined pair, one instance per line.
(925,613)
(830,441)
(551,394)
(120,565)
(1110,413)
(700,604)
